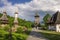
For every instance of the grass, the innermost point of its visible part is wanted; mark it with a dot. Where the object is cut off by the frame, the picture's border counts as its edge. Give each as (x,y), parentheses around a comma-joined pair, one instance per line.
(15,36)
(51,35)
(4,35)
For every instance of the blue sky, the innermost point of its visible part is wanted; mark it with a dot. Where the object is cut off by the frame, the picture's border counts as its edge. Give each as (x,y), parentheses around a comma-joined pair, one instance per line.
(15,2)
(28,8)
(1,4)
(18,1)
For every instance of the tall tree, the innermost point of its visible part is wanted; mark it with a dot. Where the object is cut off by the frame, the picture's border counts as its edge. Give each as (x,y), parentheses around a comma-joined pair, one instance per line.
(45,19)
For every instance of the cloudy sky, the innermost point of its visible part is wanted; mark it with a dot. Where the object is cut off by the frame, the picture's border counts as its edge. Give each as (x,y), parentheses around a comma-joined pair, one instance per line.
(28,8)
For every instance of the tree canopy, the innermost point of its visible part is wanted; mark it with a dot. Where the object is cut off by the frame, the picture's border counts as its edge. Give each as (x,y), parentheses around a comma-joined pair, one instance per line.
(45,19)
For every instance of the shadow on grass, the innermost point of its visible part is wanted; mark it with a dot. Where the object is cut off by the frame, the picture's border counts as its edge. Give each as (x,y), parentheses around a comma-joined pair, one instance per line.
(27,32)
(51,36)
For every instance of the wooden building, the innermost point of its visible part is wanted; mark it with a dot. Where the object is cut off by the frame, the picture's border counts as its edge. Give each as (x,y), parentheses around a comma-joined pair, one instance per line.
(54,22)
(15,24)
(37,20)
(4,19)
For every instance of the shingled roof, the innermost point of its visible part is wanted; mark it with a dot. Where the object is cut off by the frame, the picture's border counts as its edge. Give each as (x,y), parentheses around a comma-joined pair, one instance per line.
(55,19)
(36,15)
(4,18)
(58,17)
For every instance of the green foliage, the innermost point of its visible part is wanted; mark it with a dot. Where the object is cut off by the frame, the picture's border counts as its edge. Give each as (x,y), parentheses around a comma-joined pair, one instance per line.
(20,30)
(0,14)
(20,36)
(43,26)
(45,19)
(51,35)
(4,32)
(24,23)
(15,36)
(6,28)
(11,20)
(1,28)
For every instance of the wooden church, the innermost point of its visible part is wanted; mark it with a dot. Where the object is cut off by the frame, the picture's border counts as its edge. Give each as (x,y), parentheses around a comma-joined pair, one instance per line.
(15,23)
(4,20)
(54,22)
(37,20)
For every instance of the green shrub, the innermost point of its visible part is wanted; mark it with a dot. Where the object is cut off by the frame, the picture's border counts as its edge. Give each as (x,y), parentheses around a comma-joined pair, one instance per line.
(20,30)
(6,28)
(15,36)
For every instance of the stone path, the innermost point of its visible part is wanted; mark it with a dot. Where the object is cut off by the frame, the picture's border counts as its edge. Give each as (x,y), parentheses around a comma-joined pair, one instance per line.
(35,35)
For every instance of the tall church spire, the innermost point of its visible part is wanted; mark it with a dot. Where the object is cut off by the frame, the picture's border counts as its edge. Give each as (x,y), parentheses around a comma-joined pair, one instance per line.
(16,18)
(37,19)
(15,22)
(36,14)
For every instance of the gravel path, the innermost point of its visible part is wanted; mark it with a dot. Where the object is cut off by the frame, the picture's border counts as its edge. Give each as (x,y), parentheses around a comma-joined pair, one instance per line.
(35,35)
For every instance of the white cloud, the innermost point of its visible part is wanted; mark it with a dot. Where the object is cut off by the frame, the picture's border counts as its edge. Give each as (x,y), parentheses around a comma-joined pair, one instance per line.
(5,2)
(27,10)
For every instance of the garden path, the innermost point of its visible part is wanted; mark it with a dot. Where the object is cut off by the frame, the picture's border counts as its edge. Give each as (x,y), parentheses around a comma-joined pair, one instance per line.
(35,35)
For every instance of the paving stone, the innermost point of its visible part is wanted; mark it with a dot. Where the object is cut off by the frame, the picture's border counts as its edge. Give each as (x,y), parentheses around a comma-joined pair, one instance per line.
(35,35)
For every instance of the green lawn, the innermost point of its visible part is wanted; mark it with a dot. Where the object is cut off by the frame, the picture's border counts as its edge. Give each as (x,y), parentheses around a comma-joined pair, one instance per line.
(51,35)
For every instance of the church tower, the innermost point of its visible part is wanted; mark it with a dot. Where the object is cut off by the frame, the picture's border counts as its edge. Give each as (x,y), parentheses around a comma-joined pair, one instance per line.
(16,18)
(37,20)
(4,19)
(14,28)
